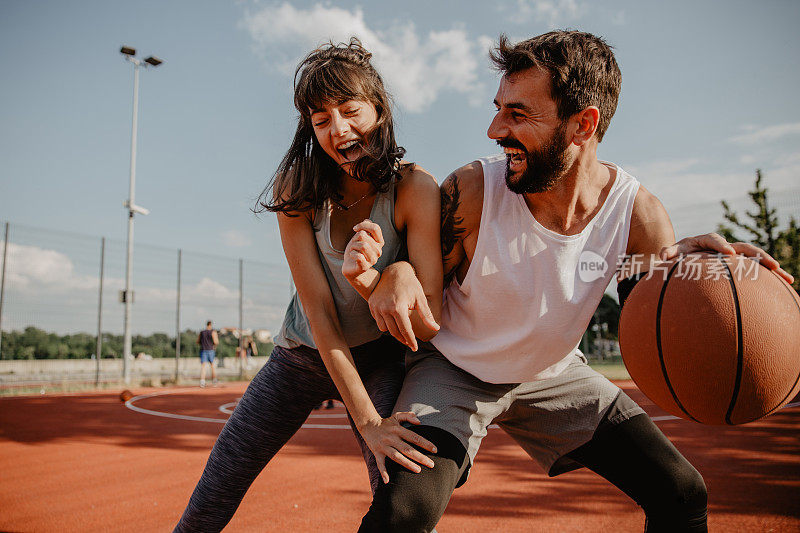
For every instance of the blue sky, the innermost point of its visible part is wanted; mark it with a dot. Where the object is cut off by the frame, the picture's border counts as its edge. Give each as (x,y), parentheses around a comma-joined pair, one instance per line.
(709,94)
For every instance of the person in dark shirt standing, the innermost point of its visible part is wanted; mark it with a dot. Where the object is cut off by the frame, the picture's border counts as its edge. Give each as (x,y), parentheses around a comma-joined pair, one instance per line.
(208,341)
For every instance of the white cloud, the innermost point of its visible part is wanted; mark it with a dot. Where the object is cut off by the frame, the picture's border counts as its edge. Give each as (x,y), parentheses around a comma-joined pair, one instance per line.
(665,167)
(206,291)
(554,13)
(756,135)
(789,161)
(37,268)
(784,175)
(417,69)
(692,196)
(207,288)
(46,288)
(236,239)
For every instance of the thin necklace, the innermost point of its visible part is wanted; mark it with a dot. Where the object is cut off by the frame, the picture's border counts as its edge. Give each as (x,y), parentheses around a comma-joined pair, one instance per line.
(346,207)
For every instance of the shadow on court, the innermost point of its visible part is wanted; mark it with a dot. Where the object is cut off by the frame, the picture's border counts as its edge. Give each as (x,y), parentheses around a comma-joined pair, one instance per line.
(752,472)
(103,417)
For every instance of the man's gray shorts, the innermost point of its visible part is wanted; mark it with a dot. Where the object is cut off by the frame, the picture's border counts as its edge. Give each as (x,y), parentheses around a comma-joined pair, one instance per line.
(548,418)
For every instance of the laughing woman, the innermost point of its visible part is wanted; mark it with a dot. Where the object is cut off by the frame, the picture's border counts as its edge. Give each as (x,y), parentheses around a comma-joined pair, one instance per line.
(347,207)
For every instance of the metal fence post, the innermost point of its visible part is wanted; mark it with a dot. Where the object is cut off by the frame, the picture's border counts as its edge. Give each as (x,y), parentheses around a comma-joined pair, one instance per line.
(241,319)
(99,352)
(3,287)
(178,322)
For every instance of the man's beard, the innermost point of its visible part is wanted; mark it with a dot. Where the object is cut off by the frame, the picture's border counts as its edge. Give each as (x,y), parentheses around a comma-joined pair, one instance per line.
(543,167)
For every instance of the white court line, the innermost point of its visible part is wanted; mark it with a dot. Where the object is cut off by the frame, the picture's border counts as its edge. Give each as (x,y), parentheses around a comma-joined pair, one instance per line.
(129,405)
(670,417)
(228,408)
(662,418)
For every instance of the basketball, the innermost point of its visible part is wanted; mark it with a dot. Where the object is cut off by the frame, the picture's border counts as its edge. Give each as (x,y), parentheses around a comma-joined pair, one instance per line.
(125,395)
(713,338)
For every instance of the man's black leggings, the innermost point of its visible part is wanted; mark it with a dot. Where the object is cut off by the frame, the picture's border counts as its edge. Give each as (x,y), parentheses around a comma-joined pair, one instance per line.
(633,455)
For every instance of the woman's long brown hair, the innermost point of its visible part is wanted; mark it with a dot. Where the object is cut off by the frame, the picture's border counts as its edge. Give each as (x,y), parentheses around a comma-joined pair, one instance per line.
(307,176)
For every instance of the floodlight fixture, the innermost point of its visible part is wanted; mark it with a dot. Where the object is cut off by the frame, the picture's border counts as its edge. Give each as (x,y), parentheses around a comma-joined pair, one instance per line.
(135,208)
(153,60)
(128,51)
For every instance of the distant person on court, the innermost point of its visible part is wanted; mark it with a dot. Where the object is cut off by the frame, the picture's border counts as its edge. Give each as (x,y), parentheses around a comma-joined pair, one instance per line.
(343,176)
(208,341)
(516,230)
(250,350)
(247,351)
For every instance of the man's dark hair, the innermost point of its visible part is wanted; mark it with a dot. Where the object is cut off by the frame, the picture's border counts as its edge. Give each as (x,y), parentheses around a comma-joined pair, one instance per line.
(208,323)
(583,71)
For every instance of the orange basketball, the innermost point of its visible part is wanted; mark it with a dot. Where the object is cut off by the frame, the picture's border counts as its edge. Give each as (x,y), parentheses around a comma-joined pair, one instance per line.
(125,395)
(713,338)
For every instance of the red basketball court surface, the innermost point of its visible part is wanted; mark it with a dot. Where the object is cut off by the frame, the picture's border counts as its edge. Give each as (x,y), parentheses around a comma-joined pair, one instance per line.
(89,462)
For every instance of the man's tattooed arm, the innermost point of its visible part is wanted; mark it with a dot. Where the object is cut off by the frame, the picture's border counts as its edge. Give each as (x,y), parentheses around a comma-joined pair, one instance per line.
(452,228)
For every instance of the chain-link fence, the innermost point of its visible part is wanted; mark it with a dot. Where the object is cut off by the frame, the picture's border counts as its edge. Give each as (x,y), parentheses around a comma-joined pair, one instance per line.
(698,218)
(61,295)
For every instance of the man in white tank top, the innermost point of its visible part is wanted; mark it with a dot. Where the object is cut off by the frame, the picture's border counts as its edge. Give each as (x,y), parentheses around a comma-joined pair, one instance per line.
(530,242)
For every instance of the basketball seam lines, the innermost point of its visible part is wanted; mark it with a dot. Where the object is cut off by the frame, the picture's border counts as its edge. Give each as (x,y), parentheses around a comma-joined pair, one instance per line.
(739,345)
(791,389)
(658,340)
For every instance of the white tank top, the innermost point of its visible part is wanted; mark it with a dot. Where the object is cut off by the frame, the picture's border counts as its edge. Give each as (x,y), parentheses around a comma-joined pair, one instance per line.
(530,292)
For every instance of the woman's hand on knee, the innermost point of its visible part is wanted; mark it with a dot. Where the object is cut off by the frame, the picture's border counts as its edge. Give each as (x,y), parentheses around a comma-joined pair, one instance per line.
(389,439)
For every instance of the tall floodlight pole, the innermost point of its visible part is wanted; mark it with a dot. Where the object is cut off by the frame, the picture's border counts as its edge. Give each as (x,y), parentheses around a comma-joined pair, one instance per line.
(178,322)
(99,350)
(130,205)
(3,286)
(241,353)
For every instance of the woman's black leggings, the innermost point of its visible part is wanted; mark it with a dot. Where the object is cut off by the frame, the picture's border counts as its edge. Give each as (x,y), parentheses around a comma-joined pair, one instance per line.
(633,455)
(275,405)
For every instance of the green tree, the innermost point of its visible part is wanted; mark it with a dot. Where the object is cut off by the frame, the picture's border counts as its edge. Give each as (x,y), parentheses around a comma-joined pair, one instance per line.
(762,225)
(606,317)
(189,346)
(25,352)
(608,313)
(34,343)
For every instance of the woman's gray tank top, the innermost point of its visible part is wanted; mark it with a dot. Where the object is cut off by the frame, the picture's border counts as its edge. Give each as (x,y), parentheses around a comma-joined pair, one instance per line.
(357,323)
